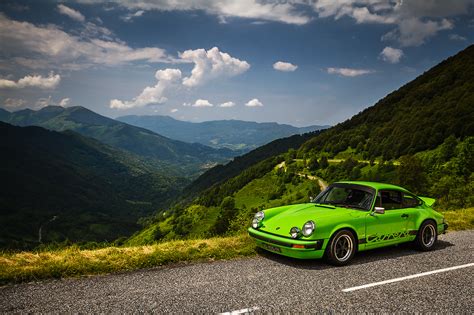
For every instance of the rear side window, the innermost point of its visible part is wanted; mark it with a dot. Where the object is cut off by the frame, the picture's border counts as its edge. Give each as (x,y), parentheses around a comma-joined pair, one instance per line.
(410,201)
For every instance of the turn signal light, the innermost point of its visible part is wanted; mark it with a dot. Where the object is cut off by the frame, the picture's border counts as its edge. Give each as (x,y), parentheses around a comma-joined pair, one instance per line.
(298,246)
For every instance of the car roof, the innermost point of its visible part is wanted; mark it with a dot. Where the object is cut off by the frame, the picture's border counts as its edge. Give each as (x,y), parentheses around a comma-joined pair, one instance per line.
(375,185)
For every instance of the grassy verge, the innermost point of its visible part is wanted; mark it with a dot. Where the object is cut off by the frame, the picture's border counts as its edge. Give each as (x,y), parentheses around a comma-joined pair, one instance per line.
(72,261)
(28,266)
(462,219)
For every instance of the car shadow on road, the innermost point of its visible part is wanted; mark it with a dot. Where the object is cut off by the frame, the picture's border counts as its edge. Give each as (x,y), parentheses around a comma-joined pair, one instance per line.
(389,252)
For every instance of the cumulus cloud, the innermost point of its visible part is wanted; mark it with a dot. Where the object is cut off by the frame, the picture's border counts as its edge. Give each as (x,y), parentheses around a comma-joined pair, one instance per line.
(36,81)
(415,32)
(349,72)
(64,102)
(254,103)
(392,55)
(202,103)
(211,64)
(227,104)
(284,66)
(167,79)
(415,21)
(40,47)
(73,14)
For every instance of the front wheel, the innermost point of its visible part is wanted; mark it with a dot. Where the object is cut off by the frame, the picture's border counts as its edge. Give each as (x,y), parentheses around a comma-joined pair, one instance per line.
(427,236)
(341,248)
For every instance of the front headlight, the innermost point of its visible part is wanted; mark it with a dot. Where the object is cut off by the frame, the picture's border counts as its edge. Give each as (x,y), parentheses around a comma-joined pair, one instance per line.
(308,228)
(294,232)
(260,215)
(255,223)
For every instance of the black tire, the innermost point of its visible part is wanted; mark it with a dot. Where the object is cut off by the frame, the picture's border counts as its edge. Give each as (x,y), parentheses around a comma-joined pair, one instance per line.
(341,248)
(427,236)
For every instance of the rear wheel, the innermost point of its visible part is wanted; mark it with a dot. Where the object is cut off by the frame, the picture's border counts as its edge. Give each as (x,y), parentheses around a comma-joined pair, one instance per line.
(427,236)
(341,248)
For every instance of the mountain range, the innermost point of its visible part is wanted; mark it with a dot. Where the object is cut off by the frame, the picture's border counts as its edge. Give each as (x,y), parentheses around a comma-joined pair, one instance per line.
(170,156)
(239,135)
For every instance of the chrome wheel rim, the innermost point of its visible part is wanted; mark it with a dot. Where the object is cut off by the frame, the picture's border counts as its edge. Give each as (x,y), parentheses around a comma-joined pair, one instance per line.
(428,235)
(343,247)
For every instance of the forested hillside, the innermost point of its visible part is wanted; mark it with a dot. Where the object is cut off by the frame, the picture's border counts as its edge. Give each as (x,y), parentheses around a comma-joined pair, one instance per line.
(221,173)
(72,188)
(171,156)
(238,135)
(417,117)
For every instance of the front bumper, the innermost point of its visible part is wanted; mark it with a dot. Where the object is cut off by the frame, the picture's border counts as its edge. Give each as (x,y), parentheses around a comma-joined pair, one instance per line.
(303,249)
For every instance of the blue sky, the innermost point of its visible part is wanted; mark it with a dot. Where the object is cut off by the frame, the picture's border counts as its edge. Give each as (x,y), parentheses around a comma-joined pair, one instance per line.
(296,62)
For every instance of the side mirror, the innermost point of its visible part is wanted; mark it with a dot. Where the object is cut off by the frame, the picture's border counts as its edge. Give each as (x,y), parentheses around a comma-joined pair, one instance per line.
(379,210)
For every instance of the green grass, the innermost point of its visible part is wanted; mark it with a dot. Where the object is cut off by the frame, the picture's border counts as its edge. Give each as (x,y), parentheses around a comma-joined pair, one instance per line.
(73,262)
(461,219)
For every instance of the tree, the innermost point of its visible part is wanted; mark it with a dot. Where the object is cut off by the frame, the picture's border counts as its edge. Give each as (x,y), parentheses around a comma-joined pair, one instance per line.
(226,215)
(313,164)
(323,162)
(411,174)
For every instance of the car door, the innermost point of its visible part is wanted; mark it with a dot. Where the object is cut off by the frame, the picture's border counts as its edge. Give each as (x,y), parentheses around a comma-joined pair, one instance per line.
(411,206)
(391,226)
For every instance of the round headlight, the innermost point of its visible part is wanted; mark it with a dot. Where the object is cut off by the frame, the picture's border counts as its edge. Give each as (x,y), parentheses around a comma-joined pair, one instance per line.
(294,232)
(259,215)
(308,228)
(255,223)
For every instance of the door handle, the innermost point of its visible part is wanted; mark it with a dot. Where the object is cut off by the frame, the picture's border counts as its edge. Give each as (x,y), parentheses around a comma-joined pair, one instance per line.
(404,215)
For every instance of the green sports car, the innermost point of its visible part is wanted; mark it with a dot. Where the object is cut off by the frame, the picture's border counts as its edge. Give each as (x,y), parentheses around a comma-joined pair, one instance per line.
(348,217)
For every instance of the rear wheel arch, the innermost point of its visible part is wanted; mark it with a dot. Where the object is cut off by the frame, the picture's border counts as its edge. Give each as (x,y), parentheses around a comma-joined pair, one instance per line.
(427,235)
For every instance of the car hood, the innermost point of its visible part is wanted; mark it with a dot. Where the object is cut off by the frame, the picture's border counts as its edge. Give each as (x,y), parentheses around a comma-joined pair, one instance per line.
(298,215)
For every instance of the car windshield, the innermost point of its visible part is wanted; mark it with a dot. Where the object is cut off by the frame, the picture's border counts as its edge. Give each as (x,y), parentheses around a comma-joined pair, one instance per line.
(347,195)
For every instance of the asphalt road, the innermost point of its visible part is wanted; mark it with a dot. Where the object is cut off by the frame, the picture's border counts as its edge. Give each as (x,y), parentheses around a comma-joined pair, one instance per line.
(270,283)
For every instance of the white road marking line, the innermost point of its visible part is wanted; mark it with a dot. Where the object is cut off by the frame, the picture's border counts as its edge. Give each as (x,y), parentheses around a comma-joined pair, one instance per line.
(407,277)
(242,311)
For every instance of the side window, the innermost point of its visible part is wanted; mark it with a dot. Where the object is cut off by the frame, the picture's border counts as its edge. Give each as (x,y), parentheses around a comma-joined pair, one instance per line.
(391,199)
(410,201)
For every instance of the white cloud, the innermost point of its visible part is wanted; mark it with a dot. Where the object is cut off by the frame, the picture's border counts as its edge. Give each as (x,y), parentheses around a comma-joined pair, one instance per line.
(14,103)
(284,66)
(415,32)
(36,81)
(392,55)
(73,14)
(211,64)
(254,103)
(129,17)
(40,47)
(415,21)
(227,104)
(278,11)
(202,103)
(167,79)
(348,72)
(174,110)
(64,102)
(457,37)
